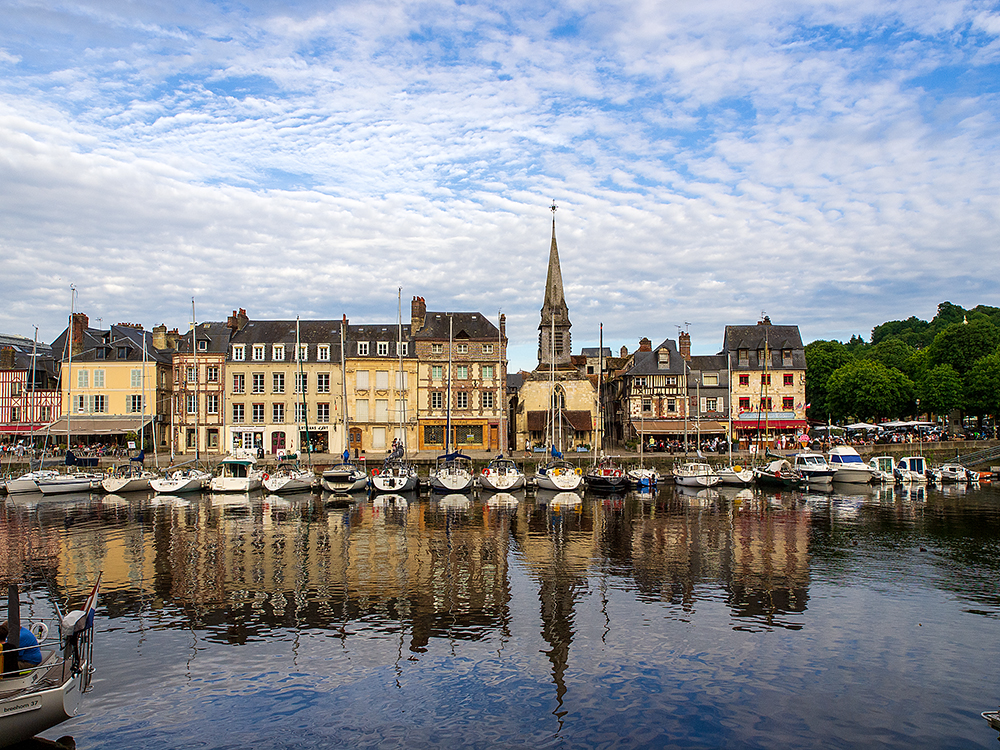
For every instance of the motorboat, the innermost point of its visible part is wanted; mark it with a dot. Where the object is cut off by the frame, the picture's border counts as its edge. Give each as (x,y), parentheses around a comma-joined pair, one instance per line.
(39,698)
(453,473)
(346,476)
(813,468)
(128,478)
(28,482)
(911,470)
(396,475)
(778,473)
(950,473)
(882,468)
(237,474)
(289,477)
(501,475)
(63,484)
(606,476)
(559,476)
(736,475)
(695,474)
(848,466)
(178,481)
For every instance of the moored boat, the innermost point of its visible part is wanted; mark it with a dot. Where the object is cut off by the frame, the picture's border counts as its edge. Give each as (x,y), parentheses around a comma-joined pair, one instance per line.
(237,474)
(813,468)
(605,476)
(559,476)
(63,484)
(642,477)
(695,474)
(178,481)
(501,475)
(950,473)
(128,478)
(735,475)
(35,699)
(345,477)
(778,473)
(289,477)
(911,470)
(453,473)
(882,468)
(396,475)
(29,482)
(848,466)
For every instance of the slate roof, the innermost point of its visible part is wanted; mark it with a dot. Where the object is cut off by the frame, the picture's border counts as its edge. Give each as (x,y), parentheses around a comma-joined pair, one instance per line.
(216,334)
(109,341)
(752,338)
(314,332)
(465,325)
(647,363)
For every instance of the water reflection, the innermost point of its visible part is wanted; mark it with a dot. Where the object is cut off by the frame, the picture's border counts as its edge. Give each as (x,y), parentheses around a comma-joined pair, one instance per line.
(236,570)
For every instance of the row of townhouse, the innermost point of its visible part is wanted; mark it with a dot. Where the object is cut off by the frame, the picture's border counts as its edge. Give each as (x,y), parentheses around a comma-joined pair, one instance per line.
(757,381)
(29,390)
(284,386)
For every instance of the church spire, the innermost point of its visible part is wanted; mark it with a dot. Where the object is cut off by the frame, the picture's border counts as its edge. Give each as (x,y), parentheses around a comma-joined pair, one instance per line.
(553,330)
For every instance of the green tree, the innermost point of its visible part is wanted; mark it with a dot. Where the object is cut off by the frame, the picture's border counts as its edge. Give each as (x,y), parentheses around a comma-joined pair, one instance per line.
(892,353)
(961,344)
(822,359)
(866,389)
(941,390)
(913,331)
(982,386)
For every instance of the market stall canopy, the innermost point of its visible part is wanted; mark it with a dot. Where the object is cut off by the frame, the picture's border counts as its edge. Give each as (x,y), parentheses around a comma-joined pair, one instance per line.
(675,427)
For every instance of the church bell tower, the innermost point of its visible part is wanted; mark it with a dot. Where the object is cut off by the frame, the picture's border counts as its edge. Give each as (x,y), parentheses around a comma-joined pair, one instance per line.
(554,343)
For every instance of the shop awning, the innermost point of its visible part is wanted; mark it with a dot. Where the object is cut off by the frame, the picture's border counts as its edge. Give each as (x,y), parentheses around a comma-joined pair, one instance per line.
(91,425)
(18,429)
(771,424)
(676,427)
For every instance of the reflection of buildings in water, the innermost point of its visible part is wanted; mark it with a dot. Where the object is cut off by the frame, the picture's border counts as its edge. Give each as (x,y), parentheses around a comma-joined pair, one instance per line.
(235,567)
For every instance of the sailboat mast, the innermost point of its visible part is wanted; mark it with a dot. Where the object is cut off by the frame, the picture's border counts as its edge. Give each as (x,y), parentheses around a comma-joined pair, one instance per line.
(600,412)
(343,376)
(729,395)
(32,412)
(197,396)
(552,372)
(302,391)
(69,375)
(501,395)
(447,419)
(401,378)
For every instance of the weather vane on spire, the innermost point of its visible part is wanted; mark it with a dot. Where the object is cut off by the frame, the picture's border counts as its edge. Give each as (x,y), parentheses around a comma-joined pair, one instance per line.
(553,207)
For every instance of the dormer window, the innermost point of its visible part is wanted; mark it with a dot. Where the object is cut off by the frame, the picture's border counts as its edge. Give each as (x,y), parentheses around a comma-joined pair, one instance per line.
(303,355)
(383,348)
(323,352)
(743,356)
(462,349)
(203,346)
(663,359)
(786,357)
(362,348)
(258,352)
(239,352)
(278,352)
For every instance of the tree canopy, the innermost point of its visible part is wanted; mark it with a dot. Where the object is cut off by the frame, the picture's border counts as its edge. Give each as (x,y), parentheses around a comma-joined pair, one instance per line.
(866,389)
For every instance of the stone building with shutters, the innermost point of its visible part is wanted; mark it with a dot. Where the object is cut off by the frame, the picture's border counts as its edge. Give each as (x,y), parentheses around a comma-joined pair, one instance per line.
(556,405)
(462,368)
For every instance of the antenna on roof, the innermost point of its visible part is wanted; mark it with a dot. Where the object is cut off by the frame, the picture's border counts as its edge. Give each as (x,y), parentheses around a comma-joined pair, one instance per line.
(687,325)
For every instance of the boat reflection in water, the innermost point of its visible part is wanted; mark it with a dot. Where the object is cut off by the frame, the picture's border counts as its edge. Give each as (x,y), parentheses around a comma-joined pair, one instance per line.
(403,616)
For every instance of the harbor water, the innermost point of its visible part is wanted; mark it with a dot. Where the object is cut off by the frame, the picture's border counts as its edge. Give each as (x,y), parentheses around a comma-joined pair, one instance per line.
(865,617)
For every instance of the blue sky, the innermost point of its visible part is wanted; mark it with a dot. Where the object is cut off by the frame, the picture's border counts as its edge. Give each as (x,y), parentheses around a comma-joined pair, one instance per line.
(832,164)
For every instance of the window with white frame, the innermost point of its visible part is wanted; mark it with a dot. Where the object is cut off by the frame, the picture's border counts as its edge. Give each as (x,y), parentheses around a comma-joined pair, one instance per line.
(461,348)
(239,413)
(462,372)
(212,403)
(710,378)
(437,348)
(323,352)
(257,382)
(361,380)
(278,412)
(487,348)
(381,410)
(257,413)
(300,413)
(487,399)
(239,382)
(381,380)
(362,348)
(239,352)
(277,382)
(191,373)
(322,382)
(461,400)
(258,352)
(487,371)
(303,353)
(383,348)
(437,400)
(437,372)
(322,412)
(83,378)
(361,410)
(98,378)
(192,403)
(212,374)
(203,346)
(278,352)
(402,348)
(301,382)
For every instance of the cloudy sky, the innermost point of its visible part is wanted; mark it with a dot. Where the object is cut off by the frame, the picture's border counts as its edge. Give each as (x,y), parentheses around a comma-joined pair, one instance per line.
(831,163)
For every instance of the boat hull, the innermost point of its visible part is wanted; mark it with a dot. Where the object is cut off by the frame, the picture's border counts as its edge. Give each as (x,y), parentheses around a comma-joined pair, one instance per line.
(68,484)
(235,484)
(501,482)
(118,485)
(642,477)
(21,718)
(735,477)
(393,483)
(451,481)
(289,483)
(166,486)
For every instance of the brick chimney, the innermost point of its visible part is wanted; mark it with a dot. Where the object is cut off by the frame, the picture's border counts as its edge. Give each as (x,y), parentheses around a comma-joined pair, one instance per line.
(172,338)
(624,352)
(765,322)
(160,336)
(237,321)
(418,313)
(645,345)
(80,324)
(7,358)
(684,344)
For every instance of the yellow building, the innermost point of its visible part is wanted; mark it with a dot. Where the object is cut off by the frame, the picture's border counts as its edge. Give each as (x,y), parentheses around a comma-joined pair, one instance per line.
(115,382)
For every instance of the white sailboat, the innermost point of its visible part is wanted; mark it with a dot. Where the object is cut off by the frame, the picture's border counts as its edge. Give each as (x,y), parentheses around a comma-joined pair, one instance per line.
(346,476)
(556,474)
(453,470)
(735,474)
(289,476)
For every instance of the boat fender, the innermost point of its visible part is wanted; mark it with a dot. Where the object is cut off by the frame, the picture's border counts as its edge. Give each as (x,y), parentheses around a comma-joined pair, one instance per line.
(374,472)
(486,472)
(40,630)
(737,468)
(266,476)
(579,471)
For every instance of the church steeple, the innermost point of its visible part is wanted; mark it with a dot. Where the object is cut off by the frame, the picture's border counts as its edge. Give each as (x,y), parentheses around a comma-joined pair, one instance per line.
(555,313)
